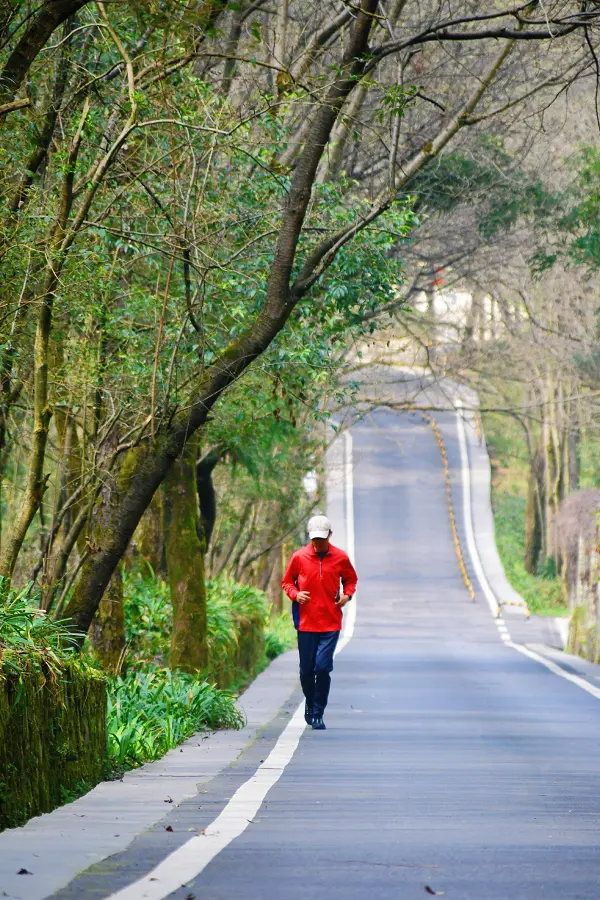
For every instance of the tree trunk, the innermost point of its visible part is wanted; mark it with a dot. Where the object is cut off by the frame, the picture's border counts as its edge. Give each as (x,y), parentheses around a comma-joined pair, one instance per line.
(149,537)
(332,163)
(185,562)
(230,50)
(275,591)
(40,27)
(207,497)
(107,632)
(36,481)
(533,524)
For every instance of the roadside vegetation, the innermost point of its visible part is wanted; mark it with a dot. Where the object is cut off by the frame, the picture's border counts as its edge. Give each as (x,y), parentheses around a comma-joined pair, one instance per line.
(541,590)
(152,708)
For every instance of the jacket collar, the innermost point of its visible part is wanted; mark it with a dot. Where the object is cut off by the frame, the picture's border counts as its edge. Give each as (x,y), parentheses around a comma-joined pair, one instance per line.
(313,552)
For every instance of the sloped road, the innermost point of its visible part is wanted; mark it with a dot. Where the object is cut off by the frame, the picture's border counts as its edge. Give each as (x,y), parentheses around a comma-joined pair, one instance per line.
(451,762)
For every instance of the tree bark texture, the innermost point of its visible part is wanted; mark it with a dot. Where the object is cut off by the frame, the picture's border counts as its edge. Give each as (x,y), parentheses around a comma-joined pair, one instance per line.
(185,552)
(50,16)
(149,537)
(107,631)
(533,523)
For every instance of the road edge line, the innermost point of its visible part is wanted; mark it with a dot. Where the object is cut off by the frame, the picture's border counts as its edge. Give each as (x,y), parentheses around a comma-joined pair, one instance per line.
(350,614)
(468,519)
(558,670)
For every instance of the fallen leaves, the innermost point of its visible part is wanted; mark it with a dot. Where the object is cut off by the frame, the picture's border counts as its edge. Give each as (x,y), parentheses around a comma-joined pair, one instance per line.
(169,828)
(429,890)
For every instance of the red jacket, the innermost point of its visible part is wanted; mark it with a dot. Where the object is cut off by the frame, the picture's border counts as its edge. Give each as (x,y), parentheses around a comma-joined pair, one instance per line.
(321,578)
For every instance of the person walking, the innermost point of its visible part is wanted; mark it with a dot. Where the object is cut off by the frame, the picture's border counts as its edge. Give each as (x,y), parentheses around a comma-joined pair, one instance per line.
(319,580)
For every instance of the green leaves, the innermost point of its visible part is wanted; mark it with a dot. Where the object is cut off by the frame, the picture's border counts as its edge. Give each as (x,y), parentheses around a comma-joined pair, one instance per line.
(396,100)
(28,637)
(152,712)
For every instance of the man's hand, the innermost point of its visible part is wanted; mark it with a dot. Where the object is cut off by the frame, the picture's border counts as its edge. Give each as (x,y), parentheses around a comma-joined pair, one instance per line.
(303,596)
(342,601)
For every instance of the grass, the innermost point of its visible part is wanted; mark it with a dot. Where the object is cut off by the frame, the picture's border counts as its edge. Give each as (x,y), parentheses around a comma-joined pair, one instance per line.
(151,712)
(280,635)
(28,638)
(508,454)
(542,593)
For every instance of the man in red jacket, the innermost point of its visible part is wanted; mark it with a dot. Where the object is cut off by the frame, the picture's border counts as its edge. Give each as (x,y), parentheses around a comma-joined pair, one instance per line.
(312,582)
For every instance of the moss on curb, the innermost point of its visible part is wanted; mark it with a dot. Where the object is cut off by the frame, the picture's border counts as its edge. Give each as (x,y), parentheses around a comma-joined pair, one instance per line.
(228,663)
(52,738)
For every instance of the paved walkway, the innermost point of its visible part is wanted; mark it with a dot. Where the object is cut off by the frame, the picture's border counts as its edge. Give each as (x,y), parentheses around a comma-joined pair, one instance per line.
(452,763)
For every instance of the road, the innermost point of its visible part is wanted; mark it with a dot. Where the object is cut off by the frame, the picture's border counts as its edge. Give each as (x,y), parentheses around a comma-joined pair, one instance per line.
(451,762)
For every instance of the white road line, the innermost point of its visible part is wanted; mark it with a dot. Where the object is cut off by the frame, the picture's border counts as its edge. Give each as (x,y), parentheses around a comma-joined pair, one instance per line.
(466,486)
(189,860)
(558,670)
(525,651)
(350,613)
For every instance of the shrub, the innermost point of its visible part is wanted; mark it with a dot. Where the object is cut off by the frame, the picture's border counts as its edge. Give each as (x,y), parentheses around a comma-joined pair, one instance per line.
(29,638)
(150,712)
(148,616)
(280,635)
(237,617)
(151,709)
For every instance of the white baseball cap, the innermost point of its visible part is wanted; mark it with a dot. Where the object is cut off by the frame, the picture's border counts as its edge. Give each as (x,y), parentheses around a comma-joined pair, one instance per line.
(319,527)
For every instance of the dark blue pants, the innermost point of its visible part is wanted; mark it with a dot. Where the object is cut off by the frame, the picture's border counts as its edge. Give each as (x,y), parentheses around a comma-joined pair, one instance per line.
(316,650)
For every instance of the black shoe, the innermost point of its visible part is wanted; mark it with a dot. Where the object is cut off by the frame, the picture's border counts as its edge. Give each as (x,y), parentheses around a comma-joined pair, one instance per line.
(308,714)
(318,724)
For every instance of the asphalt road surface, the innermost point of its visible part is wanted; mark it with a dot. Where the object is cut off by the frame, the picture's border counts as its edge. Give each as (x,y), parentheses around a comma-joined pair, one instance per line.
(451,763)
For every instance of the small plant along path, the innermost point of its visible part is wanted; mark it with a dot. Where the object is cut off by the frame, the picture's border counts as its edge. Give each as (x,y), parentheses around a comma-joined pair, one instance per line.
(451,765)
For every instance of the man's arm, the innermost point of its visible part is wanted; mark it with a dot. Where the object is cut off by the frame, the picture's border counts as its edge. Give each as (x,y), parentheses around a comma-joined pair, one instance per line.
(349,581)
(288,582)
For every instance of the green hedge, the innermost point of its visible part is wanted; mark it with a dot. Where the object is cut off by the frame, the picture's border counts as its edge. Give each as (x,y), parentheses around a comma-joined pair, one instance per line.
(52,738)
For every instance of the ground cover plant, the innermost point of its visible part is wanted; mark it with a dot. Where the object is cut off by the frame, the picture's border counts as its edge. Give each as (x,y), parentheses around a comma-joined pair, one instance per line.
(153,711)
(542,591)
(29,638)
